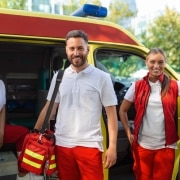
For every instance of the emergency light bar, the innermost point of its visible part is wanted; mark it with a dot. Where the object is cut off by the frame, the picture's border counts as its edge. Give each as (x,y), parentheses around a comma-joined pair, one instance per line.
(90,10)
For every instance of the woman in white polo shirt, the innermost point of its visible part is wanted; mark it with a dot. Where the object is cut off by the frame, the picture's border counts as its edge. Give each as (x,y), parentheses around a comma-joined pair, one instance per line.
(154,136)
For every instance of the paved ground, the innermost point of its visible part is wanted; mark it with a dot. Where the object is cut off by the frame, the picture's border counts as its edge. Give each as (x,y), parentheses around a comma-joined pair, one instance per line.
(121,172)
(125,176)
(116,174)
(10,177)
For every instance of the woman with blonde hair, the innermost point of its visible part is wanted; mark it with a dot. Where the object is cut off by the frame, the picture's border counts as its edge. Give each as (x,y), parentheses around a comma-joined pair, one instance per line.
(154,136)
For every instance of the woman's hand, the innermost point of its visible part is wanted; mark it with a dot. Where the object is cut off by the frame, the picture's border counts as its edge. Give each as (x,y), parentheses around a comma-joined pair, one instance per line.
(131,138)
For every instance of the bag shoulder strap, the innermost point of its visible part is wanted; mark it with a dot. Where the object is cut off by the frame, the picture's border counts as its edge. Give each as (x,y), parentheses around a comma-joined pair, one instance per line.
(58,81)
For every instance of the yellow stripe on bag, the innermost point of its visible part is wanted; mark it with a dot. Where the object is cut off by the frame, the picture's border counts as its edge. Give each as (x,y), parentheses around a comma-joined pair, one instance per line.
(31,163)
(53,157)
(52,166)
(34,155)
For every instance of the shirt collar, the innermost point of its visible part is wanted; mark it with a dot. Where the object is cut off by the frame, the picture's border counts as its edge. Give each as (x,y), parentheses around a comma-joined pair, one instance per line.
(160,78)
(88,69)
(158,83)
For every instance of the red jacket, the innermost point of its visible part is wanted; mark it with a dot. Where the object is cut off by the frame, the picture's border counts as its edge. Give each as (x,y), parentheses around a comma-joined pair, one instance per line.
(169,102)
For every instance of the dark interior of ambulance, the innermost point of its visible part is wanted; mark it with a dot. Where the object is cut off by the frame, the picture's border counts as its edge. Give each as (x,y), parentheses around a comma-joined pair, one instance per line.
(27,71)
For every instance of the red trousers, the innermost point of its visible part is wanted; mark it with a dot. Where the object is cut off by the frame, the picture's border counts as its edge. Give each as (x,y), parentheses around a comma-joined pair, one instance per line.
(153,164)
(15,135)
(79,163)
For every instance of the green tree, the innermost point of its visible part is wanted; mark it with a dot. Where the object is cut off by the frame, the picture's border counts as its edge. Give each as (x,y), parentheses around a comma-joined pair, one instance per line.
(73,5)
(13,4)
(120,12)
(163,32)
(70,7)
(97,2)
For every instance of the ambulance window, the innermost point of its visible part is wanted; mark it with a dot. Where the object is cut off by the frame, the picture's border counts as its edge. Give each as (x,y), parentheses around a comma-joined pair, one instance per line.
(124,67)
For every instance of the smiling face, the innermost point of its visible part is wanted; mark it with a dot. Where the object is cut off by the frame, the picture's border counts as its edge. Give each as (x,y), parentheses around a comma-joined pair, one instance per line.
(77,51)
(155,63)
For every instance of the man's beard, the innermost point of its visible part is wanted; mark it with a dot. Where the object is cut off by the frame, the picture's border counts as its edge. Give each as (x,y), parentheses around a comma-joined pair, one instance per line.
(82,61)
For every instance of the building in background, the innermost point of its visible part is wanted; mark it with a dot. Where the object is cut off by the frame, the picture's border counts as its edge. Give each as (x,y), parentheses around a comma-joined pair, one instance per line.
(47,6)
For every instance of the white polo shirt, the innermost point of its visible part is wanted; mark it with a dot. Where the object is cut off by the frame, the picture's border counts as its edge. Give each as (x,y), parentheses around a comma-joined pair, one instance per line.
(2,95)
(152,130)
(81,96)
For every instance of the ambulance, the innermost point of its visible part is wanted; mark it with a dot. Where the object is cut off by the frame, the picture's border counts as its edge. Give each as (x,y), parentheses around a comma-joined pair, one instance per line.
(32,49)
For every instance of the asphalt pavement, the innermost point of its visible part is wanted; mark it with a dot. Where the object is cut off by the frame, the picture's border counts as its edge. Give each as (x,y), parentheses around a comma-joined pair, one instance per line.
(10,177)
(123,176)
(122,172)
(127,176)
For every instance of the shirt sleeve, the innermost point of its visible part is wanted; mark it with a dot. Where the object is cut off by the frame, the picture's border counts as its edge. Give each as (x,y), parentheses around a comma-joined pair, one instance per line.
(130,94)
(108,96)
(3,94)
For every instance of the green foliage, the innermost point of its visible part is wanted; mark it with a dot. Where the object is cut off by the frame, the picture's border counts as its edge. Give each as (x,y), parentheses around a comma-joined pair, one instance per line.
(124,65)
(13,4)
(97,2)
(73,5)
(164,33)
(119,10)
(70,7)
(121,13)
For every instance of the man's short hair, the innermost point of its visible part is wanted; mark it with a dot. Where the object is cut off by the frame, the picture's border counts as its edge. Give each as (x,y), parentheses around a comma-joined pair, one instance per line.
(77,34)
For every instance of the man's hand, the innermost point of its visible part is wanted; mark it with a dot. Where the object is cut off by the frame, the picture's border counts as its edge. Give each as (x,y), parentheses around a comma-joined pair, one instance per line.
(110,158)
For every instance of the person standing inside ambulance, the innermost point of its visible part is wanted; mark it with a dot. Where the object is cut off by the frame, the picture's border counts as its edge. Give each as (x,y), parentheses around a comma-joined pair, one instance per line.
(9,134)
(154,138)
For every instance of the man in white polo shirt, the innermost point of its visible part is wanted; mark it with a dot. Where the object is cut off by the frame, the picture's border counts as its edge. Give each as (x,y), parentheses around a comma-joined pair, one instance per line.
(82,93)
